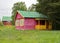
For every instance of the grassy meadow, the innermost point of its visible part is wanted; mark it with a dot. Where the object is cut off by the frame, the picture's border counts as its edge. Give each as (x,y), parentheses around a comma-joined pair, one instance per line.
(11,35)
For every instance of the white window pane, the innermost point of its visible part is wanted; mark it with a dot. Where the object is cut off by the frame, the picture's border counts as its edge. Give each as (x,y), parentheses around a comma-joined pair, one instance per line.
(21,22)
(17,22)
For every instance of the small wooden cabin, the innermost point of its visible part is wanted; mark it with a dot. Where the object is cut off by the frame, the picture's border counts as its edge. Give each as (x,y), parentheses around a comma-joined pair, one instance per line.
(26,20)
(7,20)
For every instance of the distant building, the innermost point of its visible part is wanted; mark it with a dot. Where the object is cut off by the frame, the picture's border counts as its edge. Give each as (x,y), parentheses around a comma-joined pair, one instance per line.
(26,20)
(7,20)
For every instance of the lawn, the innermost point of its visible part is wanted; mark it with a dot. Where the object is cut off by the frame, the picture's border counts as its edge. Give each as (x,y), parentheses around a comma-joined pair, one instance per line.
(11,35)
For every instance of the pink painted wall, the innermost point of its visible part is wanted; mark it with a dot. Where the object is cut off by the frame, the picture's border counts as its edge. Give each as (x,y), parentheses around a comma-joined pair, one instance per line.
(7,23)
(29,24)
(18,16)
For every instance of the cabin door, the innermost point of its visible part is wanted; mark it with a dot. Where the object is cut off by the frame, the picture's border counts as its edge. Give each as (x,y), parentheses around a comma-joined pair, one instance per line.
(47,24)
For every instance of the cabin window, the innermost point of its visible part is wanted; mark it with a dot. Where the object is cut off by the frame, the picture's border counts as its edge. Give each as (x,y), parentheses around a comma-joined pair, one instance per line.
(21,22)
(17,23)
(42,22)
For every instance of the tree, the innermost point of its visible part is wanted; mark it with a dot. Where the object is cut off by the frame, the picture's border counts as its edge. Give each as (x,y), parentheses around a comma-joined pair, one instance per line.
(17,6)
(51,8)
(32,8)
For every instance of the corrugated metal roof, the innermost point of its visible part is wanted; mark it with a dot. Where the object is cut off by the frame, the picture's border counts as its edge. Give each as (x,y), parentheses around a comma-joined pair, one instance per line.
(6,18)
(31,14)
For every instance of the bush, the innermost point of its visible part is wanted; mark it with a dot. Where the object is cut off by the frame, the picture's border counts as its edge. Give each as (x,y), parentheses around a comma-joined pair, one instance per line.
(1,23)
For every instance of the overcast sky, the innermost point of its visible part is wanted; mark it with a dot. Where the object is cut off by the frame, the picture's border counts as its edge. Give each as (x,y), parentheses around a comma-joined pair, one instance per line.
(6,6)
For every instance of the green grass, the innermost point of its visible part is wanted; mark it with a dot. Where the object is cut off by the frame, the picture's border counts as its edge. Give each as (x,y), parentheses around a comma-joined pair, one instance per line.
(11,35)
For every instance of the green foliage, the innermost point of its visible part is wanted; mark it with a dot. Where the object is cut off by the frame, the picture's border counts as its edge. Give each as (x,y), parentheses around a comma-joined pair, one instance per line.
(17,6)
(1,24)
(32,8)
(51,8)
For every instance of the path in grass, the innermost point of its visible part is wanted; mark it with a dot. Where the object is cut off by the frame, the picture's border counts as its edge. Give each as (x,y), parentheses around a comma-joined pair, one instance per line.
(11,35)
